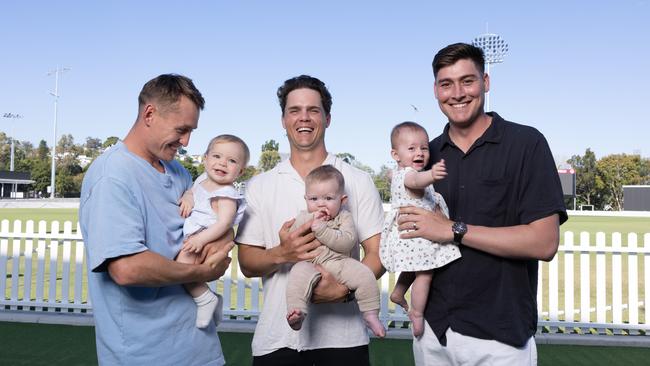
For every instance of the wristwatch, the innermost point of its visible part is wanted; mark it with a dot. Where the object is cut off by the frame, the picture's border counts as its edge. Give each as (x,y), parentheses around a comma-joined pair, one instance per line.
(459,229)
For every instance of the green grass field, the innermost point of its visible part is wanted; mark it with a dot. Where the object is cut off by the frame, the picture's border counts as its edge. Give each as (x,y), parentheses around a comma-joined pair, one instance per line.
(26,344)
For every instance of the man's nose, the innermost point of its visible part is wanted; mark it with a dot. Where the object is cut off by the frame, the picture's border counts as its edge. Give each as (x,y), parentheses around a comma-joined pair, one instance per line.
(185,139)
(458,92)
(304,115)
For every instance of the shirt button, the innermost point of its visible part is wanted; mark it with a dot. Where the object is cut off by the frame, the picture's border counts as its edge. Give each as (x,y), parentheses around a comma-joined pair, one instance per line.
(462,186)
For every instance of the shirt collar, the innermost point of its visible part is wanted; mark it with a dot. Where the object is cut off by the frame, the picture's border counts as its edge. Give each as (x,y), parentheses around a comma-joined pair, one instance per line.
(493,134)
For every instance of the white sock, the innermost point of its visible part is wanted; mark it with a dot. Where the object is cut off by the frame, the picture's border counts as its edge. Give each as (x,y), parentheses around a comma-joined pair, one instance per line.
(206,303)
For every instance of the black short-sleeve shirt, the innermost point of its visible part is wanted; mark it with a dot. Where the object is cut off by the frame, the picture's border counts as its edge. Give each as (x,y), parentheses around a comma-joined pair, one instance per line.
(506,178)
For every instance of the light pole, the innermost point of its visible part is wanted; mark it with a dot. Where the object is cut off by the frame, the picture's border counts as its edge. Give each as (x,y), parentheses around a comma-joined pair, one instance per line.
(494,48)
(11,161)
(55,94)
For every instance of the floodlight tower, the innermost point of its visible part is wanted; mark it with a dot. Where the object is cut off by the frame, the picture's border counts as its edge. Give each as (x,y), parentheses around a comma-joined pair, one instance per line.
(55,94)
(494,48)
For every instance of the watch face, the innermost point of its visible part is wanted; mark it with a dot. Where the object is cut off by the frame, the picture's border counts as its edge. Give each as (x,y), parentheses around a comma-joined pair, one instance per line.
(459,228)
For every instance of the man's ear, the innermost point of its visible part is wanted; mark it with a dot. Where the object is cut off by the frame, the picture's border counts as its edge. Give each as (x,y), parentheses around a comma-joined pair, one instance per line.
(328,119)
(148,114)
(486,81)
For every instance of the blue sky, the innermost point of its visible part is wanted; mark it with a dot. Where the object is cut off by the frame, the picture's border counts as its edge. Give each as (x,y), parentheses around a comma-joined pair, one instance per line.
(576,70)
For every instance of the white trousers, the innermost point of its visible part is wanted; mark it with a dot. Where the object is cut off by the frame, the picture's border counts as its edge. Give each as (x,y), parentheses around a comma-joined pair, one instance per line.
(469,351)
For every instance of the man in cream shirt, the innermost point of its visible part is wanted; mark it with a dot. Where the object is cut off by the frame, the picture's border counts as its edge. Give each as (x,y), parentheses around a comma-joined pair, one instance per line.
(333,333)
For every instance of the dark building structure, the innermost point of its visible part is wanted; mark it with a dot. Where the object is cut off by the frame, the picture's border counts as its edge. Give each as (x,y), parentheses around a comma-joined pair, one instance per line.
(10,183)
(636,198)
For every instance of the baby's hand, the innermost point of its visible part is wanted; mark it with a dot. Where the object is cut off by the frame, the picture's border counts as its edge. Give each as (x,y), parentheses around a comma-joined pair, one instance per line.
(192,245)
(439,170)
(186,203)
(320,218)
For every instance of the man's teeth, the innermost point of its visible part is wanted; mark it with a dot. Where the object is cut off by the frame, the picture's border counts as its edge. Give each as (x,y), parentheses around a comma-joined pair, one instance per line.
(459,105)
(305,129)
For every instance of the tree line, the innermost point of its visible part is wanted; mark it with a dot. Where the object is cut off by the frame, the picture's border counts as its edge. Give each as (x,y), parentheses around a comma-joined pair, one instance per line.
(599,182)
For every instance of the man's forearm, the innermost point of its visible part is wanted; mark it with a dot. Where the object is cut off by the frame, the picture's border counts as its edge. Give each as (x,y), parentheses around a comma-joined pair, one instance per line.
(371,255)
(537,240)
(257,261)
(150,269)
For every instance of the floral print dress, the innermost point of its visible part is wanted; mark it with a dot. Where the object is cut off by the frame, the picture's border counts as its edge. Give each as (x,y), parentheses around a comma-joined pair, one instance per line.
(415,254)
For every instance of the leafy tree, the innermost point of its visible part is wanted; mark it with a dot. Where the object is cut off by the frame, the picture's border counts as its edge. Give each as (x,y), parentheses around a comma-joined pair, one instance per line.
(188,163)
(270,156)
(66,145)
(110,141)
(42,151)
(617,170)
(644,171)
(92,147)
(271,145)
(382,182)
(248,173)
(587,187)
(40,173)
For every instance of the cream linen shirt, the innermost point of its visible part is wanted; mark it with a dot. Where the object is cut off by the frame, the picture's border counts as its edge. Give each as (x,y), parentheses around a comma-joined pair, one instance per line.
(277,196)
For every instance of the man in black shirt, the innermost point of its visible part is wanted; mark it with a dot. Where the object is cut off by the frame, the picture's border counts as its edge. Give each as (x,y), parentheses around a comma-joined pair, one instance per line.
(505,203)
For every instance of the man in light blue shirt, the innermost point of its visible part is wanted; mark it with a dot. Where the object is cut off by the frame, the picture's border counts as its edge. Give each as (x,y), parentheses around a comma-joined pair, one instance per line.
(132,228)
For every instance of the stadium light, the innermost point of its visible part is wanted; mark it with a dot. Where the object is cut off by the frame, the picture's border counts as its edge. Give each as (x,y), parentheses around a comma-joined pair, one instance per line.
(494,48)
(55,94)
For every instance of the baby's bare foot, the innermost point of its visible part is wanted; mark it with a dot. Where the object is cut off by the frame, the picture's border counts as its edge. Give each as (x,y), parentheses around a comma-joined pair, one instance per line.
(372,321)
(295,318)
(399,299)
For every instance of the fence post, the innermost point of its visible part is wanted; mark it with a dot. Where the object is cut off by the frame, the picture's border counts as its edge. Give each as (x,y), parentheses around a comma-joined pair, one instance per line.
(569,285)
(633,282)
(29,250)
(40,271)
(585,306)
(601,281)
(15,263)
(617,278)
(54,255)
(4,247)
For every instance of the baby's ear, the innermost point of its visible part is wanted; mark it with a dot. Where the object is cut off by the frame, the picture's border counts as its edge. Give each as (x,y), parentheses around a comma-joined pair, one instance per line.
(344,199)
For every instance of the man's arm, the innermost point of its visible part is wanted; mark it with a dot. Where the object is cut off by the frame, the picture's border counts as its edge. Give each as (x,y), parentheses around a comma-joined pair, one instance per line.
(295,246)
(371,255)
(536,240)
(151,269)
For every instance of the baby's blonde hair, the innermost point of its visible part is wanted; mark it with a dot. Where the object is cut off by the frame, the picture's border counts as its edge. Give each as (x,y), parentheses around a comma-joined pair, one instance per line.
(407,125)
(230,138)
(324,173)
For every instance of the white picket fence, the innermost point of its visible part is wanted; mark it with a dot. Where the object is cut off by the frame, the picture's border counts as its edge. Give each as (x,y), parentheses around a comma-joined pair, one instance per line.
(580,292)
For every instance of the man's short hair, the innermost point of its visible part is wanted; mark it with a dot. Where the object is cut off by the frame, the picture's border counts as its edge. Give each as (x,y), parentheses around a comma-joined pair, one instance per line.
(406,125)
(233,139)
(167,89)
(455,52)
(305,82)
(324,173)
